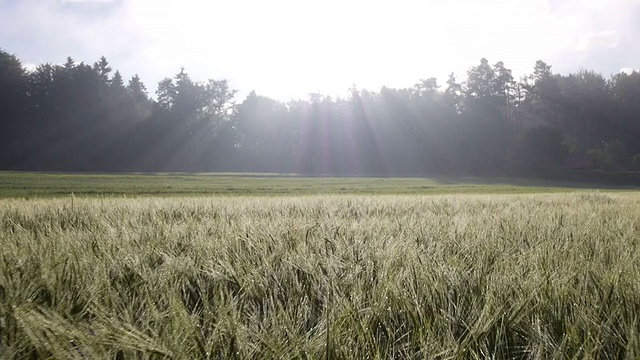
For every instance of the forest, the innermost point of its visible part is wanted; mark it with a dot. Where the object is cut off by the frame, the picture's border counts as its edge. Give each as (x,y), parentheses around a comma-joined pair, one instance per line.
(81,117)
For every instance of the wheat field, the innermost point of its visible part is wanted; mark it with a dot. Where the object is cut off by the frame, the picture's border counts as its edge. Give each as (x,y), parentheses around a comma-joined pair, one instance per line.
(523,276)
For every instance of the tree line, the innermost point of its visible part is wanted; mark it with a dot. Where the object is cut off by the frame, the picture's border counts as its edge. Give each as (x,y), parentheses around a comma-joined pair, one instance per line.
(81,117)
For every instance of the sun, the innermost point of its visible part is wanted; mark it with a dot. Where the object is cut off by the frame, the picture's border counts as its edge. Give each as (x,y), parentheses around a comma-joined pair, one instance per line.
(291,48)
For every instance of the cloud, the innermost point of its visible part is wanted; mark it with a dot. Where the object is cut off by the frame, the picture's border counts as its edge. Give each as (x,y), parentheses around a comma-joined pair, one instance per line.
(40,31)
(603,35)
(593,39)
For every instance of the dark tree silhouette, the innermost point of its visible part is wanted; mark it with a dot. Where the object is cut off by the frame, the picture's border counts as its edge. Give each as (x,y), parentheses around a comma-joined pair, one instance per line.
(85,118)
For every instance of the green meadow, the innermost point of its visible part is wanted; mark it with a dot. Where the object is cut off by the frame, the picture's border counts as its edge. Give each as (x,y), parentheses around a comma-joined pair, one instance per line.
(28,185)
(224,266)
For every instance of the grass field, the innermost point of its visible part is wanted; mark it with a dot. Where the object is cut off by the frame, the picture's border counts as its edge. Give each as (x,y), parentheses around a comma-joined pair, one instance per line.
(30,185)
(507,274)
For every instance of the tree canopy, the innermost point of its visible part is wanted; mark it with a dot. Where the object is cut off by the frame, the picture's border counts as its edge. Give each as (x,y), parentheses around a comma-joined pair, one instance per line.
(76,117)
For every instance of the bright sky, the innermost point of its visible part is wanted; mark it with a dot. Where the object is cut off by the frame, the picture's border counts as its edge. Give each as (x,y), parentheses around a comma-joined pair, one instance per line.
(289,48)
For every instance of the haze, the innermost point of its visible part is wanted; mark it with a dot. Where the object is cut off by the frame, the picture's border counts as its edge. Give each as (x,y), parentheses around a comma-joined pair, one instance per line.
(288,49)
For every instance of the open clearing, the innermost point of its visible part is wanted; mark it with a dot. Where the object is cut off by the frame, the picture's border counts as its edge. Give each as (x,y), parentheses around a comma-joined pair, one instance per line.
(503,275)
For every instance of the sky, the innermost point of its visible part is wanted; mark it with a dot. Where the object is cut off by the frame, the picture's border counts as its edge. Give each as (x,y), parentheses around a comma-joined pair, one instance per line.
(287,49)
